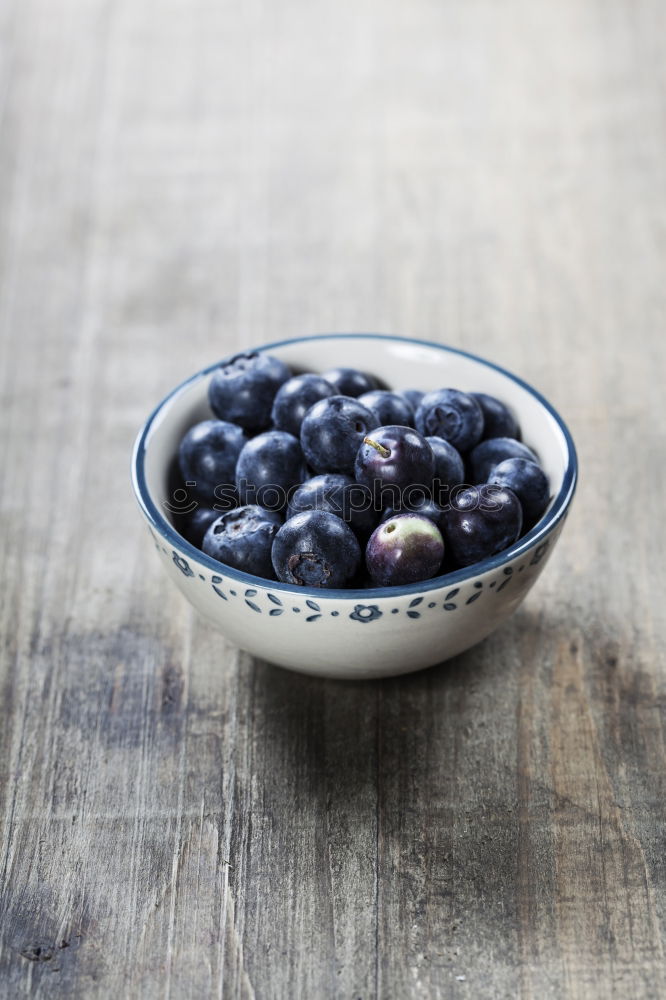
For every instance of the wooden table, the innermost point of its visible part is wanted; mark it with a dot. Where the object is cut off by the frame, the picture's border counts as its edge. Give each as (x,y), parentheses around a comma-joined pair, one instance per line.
(179,179)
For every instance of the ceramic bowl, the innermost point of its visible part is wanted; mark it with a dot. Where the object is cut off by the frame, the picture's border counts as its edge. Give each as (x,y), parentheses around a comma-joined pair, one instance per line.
(359,633)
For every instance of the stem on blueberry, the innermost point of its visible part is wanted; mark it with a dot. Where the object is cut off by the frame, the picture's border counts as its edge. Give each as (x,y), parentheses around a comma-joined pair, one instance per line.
(384,452)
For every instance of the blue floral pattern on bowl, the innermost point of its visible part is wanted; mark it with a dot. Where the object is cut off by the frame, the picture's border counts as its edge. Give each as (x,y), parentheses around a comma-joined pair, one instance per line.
(362,613)
(365,613)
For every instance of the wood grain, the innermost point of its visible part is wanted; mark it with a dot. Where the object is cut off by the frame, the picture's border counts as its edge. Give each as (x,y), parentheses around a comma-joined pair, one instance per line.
(181,178)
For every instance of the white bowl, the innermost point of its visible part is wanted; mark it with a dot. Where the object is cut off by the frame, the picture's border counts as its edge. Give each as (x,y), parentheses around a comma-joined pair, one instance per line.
(360,633)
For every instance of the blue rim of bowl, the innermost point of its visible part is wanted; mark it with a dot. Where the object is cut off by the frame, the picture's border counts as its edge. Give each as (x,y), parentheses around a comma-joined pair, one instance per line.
(543,528)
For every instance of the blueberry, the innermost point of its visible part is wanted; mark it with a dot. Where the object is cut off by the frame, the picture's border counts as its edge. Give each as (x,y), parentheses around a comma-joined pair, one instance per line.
(453,415)
(424,506)
(498,420)
(390,407)
(413,397)
(449,468)
(242,389)
(316,549)
(208,454)
(294,399)
(332,431)
(396,463)
(340,495)
(530,484)
(197,524)
(481,521)
(268,468)
(350,382)
(405,549)
(243,538)
(483,459)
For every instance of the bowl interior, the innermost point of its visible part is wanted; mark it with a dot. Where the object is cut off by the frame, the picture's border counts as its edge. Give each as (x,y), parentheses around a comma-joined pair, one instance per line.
(400,364)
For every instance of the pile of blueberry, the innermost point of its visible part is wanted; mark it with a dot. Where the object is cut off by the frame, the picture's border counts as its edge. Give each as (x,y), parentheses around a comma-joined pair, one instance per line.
(330,481)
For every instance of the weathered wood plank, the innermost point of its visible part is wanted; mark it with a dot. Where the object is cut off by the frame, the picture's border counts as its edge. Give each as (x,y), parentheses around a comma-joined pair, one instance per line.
(180,178)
